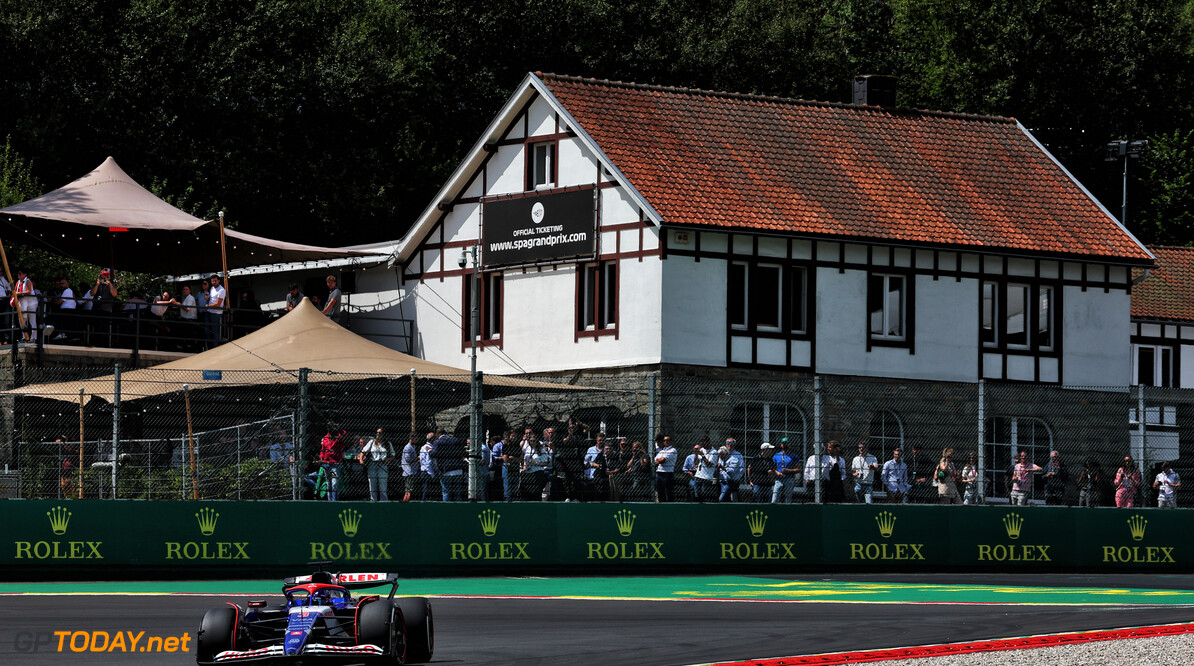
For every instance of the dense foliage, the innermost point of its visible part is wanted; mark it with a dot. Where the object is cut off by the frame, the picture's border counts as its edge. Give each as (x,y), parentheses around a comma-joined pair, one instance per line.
(335,122)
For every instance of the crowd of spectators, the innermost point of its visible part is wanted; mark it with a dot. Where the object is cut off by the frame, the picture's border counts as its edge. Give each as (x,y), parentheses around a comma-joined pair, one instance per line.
(566,464)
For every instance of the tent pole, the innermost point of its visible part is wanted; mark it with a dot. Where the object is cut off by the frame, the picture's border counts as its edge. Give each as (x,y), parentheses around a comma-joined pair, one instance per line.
(12,290)
(227,286)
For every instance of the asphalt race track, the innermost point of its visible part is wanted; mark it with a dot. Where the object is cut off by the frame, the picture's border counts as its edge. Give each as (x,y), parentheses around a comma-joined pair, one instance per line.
(616,631)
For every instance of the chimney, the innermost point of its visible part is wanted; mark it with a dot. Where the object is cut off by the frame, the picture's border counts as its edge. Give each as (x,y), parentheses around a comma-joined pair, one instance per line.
(875,90)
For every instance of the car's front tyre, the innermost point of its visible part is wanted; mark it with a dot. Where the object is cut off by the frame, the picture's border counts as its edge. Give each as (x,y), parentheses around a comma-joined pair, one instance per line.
(217,633)
(380,623)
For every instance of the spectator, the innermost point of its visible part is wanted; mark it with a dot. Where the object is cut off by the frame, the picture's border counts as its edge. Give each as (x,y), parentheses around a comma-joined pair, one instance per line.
(707,489)
(64,305)
(760,474)
(970,480)
(331,455)
(375,456)
(832,469)
(484,475)
(638,469)
(665,466)
(249,316)
(509,456)
(1022,479)
(862,468)
(1166,484)
(216,304)
(569,451)
(103,303)
(1127,484)
(617,464)
(920,475)
(536,469)
(188,313)
(1090,484)
(293,297)
(427,469)
(599,491)
(895,478)
(946,478)
(332,309)
(786,469)
(6,321)
(26,300)
(410,468)
(591,468)
(450,459)
(1056,477)
(732,468)
(68,469)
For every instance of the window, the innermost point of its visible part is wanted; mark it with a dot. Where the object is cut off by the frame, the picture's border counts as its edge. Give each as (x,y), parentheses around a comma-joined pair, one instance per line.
(797,297)
(757,296)
(541,167)
(769,422)
(990,314)
(887,303)
(886,433)
(736,295)
(490,306)
(1017,316)
(1152,365)
(597,305)
(1004,438)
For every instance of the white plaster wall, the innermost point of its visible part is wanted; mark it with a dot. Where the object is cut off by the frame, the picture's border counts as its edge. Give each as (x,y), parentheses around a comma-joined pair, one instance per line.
(1186,376)
(505,171)
(541,118)
(946,330)
(577,165)
(694,311)
(1096,338)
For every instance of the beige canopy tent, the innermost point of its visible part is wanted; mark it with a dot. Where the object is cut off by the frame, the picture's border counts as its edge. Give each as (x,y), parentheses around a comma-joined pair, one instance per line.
(106,218)
(304,338)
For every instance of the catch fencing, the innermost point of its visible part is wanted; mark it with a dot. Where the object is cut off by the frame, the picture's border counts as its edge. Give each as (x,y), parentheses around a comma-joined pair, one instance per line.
(256,435)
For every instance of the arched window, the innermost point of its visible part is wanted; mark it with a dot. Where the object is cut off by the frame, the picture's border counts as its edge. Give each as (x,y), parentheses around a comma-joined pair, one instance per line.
(886,432)
(1005,437)
(769,422)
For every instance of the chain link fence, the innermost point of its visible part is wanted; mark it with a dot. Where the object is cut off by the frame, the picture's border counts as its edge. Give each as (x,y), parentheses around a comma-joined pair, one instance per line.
(258,435)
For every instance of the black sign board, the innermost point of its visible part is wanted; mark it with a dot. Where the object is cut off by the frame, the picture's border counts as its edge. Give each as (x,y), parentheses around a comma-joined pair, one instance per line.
(543,227)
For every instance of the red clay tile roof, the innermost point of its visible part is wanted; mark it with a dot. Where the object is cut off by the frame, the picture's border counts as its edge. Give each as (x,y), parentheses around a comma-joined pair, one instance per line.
(1168,292)
(790,166)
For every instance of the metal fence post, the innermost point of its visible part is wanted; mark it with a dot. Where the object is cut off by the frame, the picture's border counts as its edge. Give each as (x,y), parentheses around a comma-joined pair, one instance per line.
(115,424)
(290,463)
(982,450)
(651,407)
(300,446)
(817,408)
(475,434)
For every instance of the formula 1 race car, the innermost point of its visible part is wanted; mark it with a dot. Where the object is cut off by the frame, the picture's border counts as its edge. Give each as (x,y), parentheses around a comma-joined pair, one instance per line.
(321,622)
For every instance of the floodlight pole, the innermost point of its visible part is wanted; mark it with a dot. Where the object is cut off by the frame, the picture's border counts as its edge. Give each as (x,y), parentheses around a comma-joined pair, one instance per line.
(1125,149)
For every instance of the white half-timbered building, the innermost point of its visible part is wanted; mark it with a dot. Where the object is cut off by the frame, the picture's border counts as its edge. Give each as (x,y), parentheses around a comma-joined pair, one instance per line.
(619,225)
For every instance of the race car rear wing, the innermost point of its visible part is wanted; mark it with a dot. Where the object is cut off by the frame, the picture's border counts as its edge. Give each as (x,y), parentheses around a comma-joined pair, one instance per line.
(352,581)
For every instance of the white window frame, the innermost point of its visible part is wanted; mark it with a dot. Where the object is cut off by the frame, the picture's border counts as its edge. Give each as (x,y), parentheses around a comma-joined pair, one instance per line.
(901,307)
(1162,365)
(546,160)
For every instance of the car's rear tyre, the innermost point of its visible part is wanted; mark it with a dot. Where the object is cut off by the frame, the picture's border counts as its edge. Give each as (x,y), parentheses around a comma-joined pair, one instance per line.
(419,628)
(380,624)
(217,633)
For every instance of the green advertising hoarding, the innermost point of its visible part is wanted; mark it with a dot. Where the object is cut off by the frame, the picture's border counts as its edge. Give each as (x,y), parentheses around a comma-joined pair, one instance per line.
(113,538)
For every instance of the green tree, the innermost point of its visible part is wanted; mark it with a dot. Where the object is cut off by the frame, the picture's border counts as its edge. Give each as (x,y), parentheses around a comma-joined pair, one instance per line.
(1166,209)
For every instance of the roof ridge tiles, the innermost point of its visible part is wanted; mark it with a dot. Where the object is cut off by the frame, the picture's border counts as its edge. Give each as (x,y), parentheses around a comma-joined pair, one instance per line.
(900,110)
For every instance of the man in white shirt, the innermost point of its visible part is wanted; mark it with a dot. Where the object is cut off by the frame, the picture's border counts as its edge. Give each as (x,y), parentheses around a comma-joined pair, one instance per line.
(64,309)
(831,467)
(215,311)
(1167,483)
(375,456)
(862,468)
(895,478)
(665,466)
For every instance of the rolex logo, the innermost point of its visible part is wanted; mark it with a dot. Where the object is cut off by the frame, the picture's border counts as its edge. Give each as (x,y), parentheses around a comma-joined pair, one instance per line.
(489,521)
(350,520)
(625,521)
(1012,522)
(207,521)
(1136,525)
(756,520)
(886,521)
(59,519)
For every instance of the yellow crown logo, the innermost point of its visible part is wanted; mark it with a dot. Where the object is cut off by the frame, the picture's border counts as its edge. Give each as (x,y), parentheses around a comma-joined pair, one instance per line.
(886,521)
(1136,524)
(757,520)
(489,521)
(350,520)
(59,519)
(207,521)
(1012,522)
(625,521)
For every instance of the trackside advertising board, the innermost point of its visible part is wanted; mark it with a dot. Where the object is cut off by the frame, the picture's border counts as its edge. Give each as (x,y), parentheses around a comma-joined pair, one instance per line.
(65,539)
(539,227)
